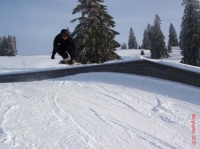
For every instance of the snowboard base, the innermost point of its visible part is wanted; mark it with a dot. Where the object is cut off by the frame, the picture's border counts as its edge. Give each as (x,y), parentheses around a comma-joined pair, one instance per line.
(66,63)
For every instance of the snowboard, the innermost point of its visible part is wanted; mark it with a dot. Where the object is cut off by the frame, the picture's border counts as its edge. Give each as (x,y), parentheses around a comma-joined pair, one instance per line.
(66,63)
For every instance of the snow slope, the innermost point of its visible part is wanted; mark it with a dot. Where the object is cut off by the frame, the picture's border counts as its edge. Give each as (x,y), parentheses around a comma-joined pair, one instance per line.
(95,111)
(43,62)
(28,63)
(173,60)
(98,111)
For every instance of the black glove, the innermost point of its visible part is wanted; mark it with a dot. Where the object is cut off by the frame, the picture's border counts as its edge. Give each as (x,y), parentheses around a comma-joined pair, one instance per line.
(52,56)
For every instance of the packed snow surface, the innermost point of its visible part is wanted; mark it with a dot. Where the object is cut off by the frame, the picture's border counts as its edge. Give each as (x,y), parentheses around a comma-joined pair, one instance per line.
(95,110)
(20,63)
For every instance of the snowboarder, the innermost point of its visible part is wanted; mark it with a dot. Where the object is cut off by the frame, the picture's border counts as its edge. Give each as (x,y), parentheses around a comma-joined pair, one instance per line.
(64,45)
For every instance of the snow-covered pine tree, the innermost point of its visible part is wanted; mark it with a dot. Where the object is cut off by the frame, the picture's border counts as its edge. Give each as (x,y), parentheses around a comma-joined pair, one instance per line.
(3,48)
(146,43)
(124,46)
(158,48)
(78,36)
(94,35)
(190,33)
(150,31)
(10,50)
(14,45)
(11,46)
(8,46)
(132,42)
(173,41)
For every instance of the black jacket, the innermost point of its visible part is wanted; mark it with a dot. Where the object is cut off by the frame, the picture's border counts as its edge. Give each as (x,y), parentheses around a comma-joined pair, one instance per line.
(62,44)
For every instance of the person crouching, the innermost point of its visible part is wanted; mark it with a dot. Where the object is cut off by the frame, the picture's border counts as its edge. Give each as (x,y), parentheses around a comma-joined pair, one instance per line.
(64,45)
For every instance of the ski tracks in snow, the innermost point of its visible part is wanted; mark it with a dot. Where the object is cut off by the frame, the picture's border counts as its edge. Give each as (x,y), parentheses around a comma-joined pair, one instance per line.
(74,129)
(165,111)
(137,97)
(8,107)
(116,97)
(95,115)
(142,104)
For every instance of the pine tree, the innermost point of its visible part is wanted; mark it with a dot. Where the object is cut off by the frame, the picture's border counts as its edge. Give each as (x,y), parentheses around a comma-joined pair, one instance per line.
(14,45)
(150,32)
(94,35)
(146,43)
(190,33)
(124,46)
(4,47)
(132,42)
(158,48)
(9,51)
(173,41)
(8,46)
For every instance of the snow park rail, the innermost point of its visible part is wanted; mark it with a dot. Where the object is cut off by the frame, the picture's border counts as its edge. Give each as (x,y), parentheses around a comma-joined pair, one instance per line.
(140,67)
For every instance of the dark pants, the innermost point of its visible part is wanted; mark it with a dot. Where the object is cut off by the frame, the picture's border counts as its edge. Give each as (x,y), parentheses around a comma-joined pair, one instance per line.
(63,52)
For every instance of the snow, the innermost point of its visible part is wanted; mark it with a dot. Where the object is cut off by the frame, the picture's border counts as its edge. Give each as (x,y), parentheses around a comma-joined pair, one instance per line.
(96,110)
(173,60)
(20,63)
(28,63)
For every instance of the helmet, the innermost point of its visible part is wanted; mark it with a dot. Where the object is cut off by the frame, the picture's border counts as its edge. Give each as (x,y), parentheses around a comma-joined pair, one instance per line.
(64,32)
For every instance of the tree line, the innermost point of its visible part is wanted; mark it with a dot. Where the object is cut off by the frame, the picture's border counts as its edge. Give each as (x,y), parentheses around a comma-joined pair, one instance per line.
(8,46)
(95,37)
(189,38)
(153,39)
(147,36)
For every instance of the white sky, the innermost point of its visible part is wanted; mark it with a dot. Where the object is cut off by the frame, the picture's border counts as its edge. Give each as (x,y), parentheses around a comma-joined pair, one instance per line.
(36,23)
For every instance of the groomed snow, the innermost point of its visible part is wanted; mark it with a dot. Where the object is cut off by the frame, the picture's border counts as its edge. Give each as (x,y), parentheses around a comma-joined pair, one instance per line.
(21,64)
(95,110)
(173,60)
(98,110)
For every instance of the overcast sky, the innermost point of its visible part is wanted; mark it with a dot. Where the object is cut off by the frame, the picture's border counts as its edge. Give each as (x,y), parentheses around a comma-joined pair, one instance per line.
(35,23)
